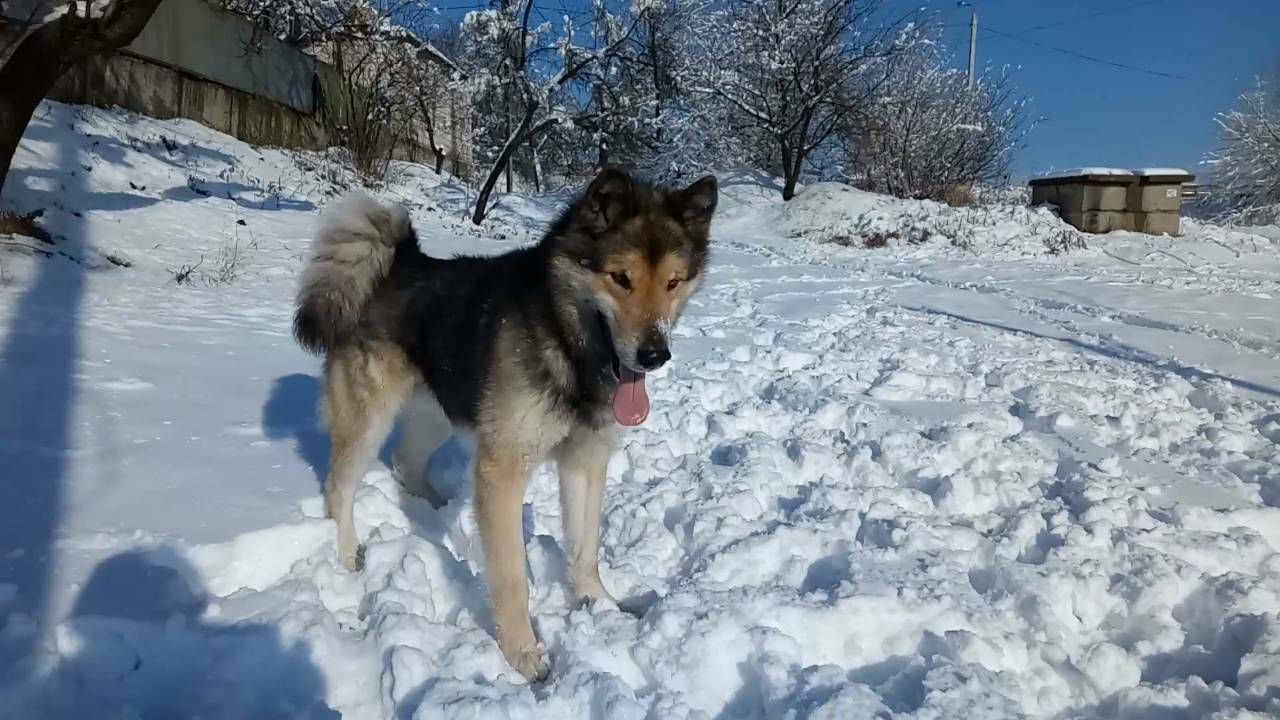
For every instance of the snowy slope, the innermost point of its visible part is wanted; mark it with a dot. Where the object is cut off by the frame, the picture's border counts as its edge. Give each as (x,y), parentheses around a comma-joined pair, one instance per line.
(924,481)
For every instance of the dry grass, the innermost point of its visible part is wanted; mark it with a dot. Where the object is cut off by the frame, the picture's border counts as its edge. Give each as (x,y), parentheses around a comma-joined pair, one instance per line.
(959,196)
(12,223)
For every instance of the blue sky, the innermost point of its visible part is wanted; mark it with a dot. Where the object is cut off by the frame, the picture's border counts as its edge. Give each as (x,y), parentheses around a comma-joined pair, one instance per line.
(1096,114)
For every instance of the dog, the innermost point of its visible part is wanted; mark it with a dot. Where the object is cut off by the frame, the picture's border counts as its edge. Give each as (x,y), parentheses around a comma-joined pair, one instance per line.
(539,353)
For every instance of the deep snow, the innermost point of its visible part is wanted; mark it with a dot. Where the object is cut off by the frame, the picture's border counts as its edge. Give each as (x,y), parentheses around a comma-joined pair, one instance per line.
(956,479)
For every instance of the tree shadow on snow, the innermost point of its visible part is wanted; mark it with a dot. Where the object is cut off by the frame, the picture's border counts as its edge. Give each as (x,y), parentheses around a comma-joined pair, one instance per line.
(138,644)
(69,195)
(167,145)
(744,177)
(1117,351)
(238,193)
(38,394)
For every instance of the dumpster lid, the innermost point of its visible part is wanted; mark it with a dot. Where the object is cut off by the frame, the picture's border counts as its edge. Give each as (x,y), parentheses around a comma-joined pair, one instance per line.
(1095,174)
(1164,174)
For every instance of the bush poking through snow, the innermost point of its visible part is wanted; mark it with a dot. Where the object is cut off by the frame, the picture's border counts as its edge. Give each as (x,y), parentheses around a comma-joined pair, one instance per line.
(185,275)
(1063,240)
(224,269)
(227,265)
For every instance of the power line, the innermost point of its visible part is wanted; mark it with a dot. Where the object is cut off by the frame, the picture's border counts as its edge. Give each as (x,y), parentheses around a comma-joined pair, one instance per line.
(1108,11)
(1082,56)
(463,6)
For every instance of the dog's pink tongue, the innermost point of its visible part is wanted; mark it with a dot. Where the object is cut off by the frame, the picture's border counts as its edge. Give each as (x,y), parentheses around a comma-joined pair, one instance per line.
(630,402)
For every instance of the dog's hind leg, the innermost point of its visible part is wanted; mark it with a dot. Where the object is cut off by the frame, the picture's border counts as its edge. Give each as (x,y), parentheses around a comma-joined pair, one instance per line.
(582,460)
(424,429)
(365,385)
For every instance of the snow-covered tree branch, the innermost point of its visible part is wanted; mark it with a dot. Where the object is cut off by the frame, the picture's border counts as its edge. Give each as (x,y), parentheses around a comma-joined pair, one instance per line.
(524,79)
(787,71)
(1246,165)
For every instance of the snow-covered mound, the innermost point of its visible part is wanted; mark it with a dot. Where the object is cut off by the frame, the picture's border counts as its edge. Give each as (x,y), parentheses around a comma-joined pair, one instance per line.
(921,481)
(837,213)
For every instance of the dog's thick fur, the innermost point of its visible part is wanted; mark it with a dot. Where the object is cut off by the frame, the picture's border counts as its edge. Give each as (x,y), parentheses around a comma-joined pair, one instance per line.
(525,349)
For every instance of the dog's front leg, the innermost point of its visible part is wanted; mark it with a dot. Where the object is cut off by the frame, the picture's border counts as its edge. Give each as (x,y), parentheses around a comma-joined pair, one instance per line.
(583,459)
(500,476)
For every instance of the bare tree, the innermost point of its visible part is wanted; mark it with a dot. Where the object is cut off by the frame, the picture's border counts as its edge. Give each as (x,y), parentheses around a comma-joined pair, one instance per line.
(534,78)
(1246,164)
(70,36)
(788,69)
(378,108)
(431,83)
(926,134)
(306,23)
(384,65)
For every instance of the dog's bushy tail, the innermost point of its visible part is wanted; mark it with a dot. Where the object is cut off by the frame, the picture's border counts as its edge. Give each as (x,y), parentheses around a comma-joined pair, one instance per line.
(351,255)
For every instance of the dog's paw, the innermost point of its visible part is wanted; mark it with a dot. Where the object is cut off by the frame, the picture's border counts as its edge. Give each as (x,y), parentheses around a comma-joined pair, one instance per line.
(520,647)
(590,592)
(593,603)
(353,561)
(530,662)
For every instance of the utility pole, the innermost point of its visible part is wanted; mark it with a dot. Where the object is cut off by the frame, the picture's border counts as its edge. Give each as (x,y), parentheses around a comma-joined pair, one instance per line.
(973,42)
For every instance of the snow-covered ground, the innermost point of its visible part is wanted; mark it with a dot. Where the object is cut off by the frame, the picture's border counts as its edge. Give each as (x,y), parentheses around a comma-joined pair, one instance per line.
(961,478)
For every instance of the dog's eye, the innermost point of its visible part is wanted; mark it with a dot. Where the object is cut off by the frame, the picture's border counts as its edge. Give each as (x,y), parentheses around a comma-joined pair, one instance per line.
(623,281)
(673,284)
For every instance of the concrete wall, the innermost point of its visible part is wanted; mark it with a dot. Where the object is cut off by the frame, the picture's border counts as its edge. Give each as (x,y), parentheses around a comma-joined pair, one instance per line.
(142,86)
(201,40)
(191,61)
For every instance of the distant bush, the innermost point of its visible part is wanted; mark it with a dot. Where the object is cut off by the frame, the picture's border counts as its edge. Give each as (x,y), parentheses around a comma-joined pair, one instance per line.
(926,134)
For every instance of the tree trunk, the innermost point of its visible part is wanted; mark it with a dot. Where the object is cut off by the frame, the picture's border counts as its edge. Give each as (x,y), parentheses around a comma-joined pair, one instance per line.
(792,168)
(24,81)
(505,162)
(657,82)
(43,55)
(790,173)
(789,187)
(500,165)
(537,165)
(428,119)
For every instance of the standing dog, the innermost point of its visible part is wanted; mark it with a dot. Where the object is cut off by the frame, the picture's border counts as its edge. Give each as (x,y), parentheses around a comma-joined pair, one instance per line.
(540,352)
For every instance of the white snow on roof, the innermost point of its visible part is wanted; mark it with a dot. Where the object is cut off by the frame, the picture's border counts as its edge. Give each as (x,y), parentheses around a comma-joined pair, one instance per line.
(1077,172)
(1118,172)
(1147,172)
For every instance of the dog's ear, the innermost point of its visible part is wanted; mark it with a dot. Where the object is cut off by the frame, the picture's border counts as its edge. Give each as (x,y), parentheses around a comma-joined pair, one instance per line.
(609,199)
(697,202)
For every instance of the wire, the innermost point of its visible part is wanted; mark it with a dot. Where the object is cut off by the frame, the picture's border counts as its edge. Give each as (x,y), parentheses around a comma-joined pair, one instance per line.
(463,6)
(1082,56)
(1108,11)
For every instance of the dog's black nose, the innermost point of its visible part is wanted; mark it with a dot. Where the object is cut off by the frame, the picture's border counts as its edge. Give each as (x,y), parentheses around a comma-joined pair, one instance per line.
(652,357)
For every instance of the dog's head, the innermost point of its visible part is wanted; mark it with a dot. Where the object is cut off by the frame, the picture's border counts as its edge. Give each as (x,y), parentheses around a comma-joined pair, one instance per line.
(636,252)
